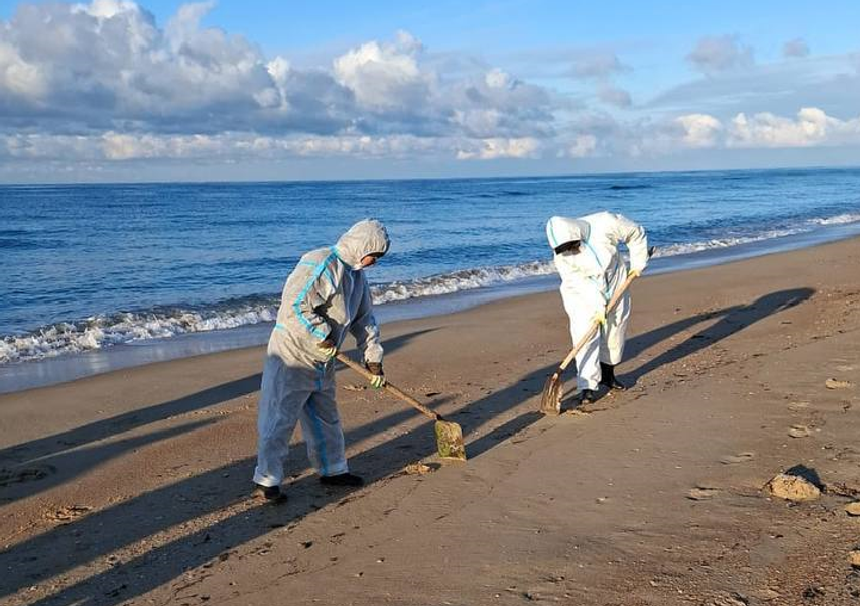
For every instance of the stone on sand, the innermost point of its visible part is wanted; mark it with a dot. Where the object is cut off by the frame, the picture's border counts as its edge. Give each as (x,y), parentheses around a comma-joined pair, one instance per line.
(793,488)
(854,558)
(853,509)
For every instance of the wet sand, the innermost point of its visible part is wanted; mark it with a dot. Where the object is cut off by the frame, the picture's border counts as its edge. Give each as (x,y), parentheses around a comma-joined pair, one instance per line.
(131,487)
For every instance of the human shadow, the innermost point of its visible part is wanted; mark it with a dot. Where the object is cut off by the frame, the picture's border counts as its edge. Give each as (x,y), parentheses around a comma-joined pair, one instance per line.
(36,466)
(189,502)
(731,320)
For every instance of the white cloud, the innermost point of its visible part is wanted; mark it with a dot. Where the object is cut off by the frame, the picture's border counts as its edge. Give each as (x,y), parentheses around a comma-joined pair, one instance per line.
(613,95)
(385,76)
(796,48)
(715,54)
(582,147)
(495,148)
(597,65)
(699,130)
(812,127)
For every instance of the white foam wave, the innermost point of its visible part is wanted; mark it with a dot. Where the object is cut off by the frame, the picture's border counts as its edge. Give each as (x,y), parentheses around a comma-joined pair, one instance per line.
(466,279)
(838,219)
(102,331)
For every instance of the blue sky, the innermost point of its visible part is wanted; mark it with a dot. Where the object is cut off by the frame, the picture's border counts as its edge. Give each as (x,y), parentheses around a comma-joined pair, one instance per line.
(116,90)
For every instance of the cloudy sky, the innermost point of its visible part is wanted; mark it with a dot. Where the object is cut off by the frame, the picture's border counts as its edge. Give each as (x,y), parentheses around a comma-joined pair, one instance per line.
(114,90)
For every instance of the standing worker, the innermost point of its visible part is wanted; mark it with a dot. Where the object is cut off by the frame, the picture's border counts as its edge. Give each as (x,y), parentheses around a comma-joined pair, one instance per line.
(325,296)
(591,269)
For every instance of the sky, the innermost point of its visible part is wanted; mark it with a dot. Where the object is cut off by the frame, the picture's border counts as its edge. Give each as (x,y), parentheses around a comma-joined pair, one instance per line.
(115,90)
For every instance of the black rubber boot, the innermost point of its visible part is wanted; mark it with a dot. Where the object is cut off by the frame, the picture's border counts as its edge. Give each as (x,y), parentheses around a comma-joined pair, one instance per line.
(342,479)
(588,396)
(607,377)
(272,494)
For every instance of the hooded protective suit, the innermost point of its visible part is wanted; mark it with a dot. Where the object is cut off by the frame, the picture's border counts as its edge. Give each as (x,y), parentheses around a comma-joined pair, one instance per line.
(324,297)
(589,279)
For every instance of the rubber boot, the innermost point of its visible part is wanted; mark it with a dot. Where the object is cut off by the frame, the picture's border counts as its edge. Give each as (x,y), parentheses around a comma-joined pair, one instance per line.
(588,396)
(607,377)
(272,494)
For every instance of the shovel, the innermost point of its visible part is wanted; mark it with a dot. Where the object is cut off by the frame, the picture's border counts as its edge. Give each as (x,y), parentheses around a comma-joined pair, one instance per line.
(550,401)
(449,435)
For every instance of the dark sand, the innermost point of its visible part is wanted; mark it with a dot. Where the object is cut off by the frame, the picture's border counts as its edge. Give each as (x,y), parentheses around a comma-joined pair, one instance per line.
(131,487)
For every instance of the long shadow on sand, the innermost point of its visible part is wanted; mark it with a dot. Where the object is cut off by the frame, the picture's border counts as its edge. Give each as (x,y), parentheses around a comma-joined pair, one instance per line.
(208,542)
(36,466)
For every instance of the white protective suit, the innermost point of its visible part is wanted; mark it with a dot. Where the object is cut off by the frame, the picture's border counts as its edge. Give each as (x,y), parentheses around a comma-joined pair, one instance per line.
(325,297)
(589,279)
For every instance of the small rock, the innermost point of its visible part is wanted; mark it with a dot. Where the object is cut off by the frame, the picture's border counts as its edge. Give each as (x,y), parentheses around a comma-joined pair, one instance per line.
(837,384)
(798,406)
(793,488)
(854,558)
(799,431)
(853,509)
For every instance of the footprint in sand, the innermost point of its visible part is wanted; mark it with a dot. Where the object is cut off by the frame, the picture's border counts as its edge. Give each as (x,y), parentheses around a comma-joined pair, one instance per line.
(26,474)
(702,493)
(799,431)
(837,384)
(741,457)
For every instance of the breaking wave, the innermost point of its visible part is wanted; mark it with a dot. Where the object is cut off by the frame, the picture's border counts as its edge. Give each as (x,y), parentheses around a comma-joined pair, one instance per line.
(101,331)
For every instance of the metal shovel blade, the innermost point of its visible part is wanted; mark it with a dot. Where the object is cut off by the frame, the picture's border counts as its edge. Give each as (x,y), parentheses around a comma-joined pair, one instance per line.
(449,440)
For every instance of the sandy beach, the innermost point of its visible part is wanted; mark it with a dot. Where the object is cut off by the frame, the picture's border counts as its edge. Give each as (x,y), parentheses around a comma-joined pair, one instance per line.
(131,487)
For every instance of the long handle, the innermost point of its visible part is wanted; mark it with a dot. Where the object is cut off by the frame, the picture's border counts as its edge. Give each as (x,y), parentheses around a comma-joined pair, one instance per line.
(594,327)
(390,388)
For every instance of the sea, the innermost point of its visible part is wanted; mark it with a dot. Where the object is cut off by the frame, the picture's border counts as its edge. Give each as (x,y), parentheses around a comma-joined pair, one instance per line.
(99,277)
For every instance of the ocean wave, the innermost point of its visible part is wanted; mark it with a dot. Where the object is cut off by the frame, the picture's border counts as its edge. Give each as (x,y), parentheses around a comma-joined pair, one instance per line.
(838,219)
(456,281)
(164,322)
(126,327)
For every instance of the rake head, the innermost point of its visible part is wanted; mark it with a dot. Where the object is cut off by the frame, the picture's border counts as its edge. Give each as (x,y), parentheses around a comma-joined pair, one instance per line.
(449,440)
(550,400)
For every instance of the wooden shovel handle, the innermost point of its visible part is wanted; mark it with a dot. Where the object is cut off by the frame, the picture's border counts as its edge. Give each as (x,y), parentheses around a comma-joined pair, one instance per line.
(595,325)
(389,388)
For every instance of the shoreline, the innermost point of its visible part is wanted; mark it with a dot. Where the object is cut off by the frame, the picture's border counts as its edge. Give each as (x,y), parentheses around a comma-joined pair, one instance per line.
(131,486)
(32,374)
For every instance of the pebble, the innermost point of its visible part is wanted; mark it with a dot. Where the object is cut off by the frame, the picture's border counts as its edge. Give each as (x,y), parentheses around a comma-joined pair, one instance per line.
(854,558)
(853,509)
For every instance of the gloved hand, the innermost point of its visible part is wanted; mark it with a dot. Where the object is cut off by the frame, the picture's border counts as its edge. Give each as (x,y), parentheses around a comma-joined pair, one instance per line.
(600,317)
(378,380)
(634,273)
(328,348)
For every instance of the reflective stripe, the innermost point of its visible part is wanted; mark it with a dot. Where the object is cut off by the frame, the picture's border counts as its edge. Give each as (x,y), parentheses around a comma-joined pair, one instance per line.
(320,269)
(325,271)
(552,235)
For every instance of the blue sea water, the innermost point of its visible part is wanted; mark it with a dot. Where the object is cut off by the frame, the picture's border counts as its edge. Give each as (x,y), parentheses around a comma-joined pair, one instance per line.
(90,267)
